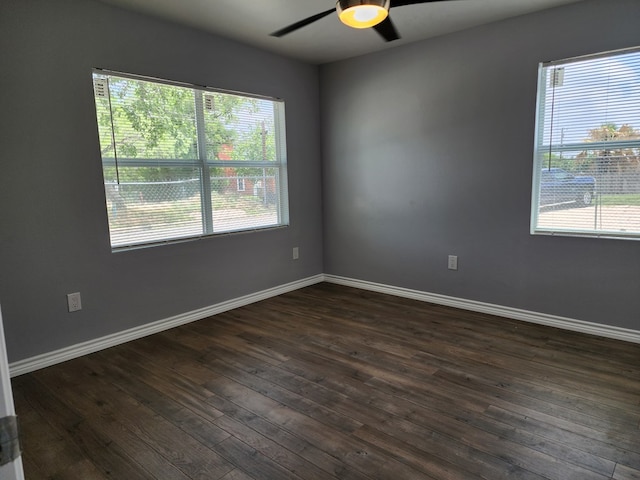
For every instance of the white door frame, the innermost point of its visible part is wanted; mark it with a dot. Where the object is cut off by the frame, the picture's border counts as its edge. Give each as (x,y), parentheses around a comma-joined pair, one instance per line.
(13,470)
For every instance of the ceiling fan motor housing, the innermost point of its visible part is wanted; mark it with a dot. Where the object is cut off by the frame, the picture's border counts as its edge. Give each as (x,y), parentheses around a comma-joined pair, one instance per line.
(344,4)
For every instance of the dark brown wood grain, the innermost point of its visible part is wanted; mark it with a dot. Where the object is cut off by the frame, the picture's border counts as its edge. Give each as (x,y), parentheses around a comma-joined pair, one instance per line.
(330,382)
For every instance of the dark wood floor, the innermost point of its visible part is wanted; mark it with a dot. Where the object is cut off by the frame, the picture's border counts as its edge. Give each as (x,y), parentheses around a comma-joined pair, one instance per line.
(330,382)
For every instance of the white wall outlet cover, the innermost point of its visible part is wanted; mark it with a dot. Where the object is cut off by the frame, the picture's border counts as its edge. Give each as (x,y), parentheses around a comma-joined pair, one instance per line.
(74,302)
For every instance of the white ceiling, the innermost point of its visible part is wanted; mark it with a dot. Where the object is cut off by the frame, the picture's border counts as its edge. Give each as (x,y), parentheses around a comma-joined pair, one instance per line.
(251,22)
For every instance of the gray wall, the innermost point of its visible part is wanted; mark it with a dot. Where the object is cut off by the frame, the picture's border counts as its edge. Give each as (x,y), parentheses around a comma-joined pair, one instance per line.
(428,150)
(438,163)
(54,232)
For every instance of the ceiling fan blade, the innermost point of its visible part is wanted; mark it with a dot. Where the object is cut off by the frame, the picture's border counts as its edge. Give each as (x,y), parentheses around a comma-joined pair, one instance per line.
(387,30)
(402,3)
(302,23)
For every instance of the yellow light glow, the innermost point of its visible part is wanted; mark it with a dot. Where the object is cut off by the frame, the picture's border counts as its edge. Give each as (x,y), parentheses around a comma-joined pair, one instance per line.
(363,16)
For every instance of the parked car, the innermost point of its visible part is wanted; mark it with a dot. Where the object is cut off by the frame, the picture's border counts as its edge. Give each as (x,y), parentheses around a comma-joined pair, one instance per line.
(559,186)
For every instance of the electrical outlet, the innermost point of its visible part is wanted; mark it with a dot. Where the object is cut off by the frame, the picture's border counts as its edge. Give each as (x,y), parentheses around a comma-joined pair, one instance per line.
(74,302)
(296,253)
(453,262)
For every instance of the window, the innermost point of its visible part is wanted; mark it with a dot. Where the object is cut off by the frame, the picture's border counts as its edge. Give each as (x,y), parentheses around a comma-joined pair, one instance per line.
(586,176)
(173,156)
(240,184)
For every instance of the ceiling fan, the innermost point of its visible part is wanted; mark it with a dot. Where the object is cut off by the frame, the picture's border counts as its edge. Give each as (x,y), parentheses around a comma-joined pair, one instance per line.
(360,14)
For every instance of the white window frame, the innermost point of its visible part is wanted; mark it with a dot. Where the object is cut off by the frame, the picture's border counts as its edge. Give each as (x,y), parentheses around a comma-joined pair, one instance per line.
(551,75)
(205,165)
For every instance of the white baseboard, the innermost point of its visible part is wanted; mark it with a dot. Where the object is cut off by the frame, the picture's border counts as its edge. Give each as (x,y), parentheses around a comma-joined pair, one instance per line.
(507,312)
(91,346)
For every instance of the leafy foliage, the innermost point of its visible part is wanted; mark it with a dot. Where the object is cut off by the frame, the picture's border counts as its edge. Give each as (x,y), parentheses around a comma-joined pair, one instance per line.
(255,145)
(617,167)
(611,157)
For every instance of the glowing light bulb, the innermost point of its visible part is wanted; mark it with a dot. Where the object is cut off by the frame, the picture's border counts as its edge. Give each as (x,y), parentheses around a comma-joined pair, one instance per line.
(365,13)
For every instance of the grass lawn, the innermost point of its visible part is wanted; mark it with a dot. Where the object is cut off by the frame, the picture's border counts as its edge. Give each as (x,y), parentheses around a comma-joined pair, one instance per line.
(621,199)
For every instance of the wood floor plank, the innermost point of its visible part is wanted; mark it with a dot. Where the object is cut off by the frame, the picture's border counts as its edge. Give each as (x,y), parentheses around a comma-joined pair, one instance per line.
(330,382)
(419,458)
(259,466)
(565,450)
(31,470)
(358,406)
(209,434)
(237,474)
(270,450)
(103,400)
(510,379)
(295,443)
(566,432)
(80,440)
(626,473)
(337,443)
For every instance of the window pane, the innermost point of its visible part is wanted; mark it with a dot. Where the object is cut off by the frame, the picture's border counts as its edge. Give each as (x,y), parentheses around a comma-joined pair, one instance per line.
(239,128)
(147,120)
(254,207)
(153,204)
(585,192)
(590,96)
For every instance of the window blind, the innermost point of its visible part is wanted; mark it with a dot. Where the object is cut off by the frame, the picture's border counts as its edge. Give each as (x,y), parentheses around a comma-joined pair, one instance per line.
(586,178)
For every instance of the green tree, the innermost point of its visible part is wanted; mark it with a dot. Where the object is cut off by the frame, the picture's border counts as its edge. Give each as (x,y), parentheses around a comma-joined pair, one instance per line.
(612,157)
(221,120)
(614,166)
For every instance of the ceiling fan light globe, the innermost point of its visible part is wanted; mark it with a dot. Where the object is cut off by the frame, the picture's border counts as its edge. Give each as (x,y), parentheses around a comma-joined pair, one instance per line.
(362,13)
